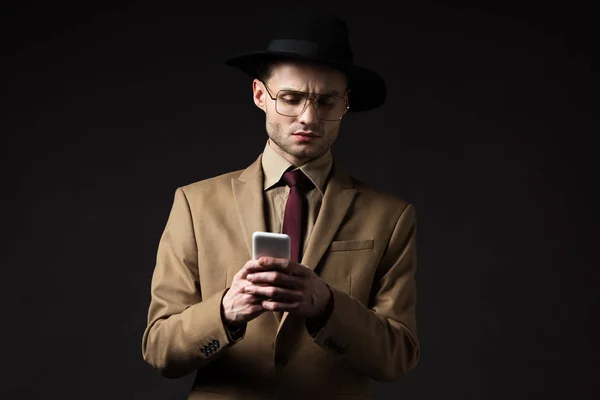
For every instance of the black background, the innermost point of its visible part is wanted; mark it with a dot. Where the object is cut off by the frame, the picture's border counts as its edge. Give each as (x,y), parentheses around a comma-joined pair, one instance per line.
(489,130)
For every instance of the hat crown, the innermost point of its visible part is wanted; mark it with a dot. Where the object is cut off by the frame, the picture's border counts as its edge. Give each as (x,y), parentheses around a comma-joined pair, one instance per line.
(313,33)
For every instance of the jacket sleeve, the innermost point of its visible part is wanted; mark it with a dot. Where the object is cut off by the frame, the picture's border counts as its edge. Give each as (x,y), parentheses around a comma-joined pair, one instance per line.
(184,331)
(381,339)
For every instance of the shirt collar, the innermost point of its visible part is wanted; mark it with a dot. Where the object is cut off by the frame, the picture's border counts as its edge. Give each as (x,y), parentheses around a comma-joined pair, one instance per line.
(275,165)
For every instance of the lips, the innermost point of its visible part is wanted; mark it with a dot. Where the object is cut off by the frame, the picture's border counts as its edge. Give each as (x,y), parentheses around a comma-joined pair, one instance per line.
(307,134)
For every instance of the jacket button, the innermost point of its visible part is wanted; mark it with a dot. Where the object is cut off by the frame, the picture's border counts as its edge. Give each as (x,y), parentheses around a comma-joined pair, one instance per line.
(216,343)
(281,360)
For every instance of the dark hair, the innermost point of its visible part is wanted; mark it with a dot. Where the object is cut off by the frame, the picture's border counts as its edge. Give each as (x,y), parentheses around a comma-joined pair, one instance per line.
(265,68)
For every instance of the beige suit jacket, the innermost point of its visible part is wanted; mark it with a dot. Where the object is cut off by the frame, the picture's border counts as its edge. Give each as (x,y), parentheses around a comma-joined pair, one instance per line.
(363,245)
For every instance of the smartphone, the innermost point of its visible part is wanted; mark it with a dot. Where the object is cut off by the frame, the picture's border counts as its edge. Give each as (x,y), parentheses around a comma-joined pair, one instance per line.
(270,244)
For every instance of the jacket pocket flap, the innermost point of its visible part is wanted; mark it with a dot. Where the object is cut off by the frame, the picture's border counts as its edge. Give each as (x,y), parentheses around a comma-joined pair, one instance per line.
(347,245)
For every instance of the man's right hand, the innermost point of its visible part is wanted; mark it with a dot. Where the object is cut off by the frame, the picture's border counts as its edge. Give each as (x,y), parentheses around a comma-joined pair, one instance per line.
(240,307)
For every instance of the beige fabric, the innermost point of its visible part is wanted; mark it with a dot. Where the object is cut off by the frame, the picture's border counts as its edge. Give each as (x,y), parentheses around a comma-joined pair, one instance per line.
(363,244)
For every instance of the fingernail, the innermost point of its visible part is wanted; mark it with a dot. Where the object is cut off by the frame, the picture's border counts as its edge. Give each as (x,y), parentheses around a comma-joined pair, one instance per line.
(250,277)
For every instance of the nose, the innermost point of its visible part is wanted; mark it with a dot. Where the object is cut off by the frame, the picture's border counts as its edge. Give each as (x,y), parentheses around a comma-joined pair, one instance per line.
(309,115)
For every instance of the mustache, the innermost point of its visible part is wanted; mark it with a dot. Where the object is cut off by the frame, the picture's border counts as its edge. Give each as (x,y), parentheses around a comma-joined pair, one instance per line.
(314,130)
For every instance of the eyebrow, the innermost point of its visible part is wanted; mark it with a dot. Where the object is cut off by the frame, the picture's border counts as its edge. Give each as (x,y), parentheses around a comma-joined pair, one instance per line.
(333,92)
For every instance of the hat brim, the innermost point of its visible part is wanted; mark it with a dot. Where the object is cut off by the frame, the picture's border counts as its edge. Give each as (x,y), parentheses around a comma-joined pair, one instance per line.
(367,88)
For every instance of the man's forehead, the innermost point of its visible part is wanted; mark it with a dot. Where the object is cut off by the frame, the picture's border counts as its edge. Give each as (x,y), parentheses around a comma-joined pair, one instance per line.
(301,76)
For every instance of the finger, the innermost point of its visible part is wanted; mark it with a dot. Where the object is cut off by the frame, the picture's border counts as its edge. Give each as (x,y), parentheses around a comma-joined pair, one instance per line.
(288,266)
(247,268)
(279,306)
(266,264)
(253,300)
(281,264)
(276,278)
(275,293)
(258,265)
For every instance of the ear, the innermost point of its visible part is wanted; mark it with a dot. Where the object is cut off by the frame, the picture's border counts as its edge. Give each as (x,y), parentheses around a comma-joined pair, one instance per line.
(258,94)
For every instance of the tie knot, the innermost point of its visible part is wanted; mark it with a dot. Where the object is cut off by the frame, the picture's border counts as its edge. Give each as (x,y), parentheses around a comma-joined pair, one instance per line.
(297,178)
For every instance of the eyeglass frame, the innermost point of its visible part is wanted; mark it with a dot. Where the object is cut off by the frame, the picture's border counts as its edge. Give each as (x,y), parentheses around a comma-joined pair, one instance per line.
(311,97)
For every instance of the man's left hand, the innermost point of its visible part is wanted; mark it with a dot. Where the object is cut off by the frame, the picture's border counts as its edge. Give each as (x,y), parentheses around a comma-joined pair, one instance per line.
(288,286)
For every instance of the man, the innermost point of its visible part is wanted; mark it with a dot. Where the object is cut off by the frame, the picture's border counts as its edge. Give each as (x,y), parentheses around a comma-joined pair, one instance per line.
(341,310)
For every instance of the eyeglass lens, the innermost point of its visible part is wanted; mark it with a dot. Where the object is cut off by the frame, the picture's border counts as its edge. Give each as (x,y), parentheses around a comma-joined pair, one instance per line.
(292,103)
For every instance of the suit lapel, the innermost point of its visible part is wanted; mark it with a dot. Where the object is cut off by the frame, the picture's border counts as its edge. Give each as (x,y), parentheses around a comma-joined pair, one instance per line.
(337,200)
(248,197)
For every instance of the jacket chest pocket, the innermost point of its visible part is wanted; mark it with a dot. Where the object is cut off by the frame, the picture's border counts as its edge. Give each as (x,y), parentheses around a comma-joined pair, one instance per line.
(351,245)
(349,265)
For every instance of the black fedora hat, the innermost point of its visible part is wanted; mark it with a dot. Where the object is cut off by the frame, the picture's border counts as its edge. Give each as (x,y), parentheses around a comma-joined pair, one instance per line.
(323,38)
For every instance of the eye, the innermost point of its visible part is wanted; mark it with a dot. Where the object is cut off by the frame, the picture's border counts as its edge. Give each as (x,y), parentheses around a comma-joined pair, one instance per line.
(327,100)
(291,97)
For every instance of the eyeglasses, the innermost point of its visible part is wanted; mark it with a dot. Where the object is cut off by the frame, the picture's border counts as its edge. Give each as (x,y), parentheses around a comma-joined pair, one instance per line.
(292,103)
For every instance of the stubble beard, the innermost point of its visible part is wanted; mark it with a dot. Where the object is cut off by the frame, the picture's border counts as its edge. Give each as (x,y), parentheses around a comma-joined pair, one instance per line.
(303,153)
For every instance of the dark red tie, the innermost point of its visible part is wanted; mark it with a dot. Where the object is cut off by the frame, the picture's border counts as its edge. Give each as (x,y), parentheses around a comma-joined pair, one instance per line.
(295,210)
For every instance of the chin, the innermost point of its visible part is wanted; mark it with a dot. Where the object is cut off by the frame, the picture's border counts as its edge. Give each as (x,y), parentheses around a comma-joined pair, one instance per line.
(304,151)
